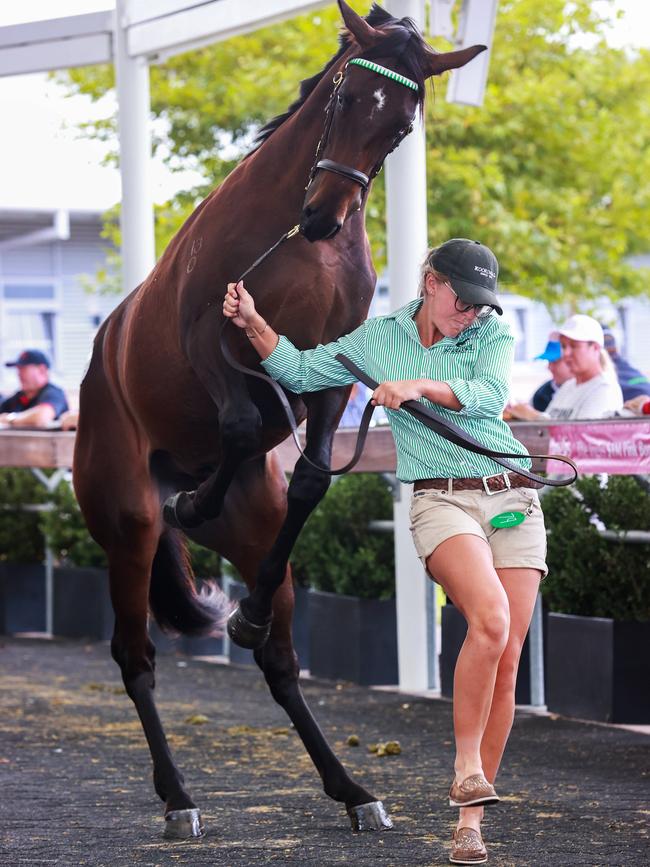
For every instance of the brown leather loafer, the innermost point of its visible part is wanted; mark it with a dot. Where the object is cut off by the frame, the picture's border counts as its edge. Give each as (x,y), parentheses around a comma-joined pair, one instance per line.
(467,847)
(474,791)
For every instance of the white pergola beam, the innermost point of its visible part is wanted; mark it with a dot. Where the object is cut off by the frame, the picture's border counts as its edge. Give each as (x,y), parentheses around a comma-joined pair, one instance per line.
(61,54)
(60,43)
(56,28)
(199,24)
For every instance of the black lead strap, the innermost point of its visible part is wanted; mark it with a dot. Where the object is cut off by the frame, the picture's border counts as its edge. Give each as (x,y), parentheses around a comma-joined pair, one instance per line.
(456,435)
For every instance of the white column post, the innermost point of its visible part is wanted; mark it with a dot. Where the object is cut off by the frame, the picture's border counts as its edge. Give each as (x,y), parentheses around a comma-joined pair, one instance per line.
(407,244)
(136,217)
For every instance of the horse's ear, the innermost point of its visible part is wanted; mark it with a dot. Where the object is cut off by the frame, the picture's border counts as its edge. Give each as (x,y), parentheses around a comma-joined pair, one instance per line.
(452,59)
(364,34)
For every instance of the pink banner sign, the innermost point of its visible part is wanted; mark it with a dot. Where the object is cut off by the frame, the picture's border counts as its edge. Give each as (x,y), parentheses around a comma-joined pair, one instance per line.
(600,447)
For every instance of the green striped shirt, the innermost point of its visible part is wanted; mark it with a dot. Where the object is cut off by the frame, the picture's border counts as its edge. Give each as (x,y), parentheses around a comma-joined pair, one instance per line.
(476,365)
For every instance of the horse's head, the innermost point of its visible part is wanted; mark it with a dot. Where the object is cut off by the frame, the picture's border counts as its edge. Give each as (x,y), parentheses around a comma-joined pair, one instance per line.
(379,83)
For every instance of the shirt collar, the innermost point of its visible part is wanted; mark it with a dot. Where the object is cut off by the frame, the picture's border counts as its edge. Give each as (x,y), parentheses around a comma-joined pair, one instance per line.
(404,317)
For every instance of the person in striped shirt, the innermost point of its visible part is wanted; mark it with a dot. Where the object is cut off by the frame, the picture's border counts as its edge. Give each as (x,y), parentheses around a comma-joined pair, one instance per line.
(448,349)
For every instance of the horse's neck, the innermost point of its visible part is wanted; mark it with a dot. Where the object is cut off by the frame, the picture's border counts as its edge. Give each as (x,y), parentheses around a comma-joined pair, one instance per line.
(283,162)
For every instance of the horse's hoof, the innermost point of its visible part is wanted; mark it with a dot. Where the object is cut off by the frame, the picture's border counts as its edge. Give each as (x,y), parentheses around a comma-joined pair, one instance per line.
(369,817)
(247,634)
(183,824)
(178,512)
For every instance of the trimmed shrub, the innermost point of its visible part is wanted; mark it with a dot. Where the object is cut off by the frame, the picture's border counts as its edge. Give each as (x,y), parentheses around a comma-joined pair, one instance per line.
(337,552)
(590,575)
(21,540)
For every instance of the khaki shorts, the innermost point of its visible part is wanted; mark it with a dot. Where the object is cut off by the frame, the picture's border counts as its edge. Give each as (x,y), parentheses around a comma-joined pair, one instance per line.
(438,515)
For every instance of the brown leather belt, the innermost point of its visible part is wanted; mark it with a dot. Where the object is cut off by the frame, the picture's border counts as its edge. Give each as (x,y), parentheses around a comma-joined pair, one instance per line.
(489,484)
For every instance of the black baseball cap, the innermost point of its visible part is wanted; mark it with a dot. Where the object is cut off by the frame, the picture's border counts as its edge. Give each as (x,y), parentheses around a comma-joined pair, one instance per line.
(472,269)
(29,356)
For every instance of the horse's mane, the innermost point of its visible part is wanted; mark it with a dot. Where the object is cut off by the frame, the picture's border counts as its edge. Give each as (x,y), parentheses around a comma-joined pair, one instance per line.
(403,41)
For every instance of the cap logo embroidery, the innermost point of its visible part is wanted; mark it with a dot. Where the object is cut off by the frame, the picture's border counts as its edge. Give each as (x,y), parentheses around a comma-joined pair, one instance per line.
(486,272)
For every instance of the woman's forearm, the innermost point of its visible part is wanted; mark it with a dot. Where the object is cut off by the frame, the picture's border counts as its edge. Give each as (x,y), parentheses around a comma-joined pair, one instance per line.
(440,393)
(262,337)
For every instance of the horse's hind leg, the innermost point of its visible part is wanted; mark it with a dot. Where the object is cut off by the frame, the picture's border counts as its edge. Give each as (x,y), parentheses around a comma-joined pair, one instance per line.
(253,514)
(127,525)
(134,652)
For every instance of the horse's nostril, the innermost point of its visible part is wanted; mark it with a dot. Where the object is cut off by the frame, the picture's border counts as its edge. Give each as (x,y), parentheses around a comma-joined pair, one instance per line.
(308,211)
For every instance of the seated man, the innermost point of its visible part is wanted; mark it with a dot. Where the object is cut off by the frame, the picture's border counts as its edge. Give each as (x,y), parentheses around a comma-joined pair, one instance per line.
(558,370)
(39,401)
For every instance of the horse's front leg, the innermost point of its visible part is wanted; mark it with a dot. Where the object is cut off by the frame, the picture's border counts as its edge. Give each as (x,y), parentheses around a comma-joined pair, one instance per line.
(250,623)
(240,435)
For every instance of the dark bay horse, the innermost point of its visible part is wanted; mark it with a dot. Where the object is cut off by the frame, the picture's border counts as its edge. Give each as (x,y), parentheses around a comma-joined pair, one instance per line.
(162,413)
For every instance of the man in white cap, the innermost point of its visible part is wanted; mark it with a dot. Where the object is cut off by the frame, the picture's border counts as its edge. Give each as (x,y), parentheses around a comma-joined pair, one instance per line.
(592,391)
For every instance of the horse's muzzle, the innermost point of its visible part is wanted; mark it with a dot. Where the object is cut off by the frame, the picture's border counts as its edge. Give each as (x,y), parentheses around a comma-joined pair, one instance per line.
(317,227)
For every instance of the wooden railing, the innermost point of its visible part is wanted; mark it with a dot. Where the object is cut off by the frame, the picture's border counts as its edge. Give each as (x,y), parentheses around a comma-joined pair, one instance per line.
(49,449)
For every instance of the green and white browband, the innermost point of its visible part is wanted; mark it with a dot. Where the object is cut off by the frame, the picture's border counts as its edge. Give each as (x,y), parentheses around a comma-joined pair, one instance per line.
(394,76)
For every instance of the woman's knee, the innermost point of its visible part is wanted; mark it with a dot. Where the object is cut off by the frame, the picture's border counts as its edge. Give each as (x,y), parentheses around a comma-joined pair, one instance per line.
(491,627)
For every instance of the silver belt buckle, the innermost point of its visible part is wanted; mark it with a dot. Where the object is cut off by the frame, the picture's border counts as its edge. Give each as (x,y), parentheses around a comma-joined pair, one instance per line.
(506,479)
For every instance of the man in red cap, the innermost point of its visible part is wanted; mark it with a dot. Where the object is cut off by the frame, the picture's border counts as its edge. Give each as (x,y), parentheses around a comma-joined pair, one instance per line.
(38,402)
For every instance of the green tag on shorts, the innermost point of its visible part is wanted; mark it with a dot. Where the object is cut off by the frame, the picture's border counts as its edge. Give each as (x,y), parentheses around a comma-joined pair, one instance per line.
(507,519)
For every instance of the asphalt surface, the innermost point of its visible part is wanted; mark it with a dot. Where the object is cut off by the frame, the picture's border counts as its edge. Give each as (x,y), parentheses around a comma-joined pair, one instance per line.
(76,783)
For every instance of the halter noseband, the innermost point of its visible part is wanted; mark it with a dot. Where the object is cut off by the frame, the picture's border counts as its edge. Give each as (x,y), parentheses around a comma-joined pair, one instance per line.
(348,172)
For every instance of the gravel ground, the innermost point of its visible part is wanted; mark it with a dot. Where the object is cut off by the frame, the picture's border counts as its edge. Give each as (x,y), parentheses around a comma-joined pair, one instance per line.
(77,790)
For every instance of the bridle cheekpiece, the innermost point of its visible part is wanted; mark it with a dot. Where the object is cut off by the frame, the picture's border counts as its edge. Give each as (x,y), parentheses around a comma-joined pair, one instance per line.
(348,172)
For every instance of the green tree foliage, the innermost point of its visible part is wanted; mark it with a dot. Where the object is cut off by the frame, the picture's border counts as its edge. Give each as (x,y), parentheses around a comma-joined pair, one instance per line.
(552,170)
(337,551)
(588,574)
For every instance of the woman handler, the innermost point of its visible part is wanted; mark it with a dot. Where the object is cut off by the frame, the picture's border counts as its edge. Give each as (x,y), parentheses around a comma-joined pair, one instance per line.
(447,349)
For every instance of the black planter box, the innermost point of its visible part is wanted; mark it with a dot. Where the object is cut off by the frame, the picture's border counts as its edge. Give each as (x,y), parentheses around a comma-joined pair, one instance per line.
(22,598)
(353,639)
(82,604)
(598,669)
(453,632)
(302,625)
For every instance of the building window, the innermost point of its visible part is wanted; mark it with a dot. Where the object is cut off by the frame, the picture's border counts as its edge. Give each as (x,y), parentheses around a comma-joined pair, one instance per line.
(18,292)
(28,318)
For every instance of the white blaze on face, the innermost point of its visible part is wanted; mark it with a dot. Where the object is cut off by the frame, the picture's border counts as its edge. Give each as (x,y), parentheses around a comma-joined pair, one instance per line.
(380,100)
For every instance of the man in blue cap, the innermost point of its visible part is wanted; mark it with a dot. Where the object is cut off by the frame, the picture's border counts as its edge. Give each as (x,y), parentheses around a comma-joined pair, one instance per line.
(559,372)
(38,402)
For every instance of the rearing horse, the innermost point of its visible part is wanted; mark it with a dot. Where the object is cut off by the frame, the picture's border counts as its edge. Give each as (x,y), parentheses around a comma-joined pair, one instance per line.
(162,413)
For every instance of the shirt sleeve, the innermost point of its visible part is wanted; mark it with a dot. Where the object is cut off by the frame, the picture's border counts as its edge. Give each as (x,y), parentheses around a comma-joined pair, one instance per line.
(485,395)
(316,369)
(55,397)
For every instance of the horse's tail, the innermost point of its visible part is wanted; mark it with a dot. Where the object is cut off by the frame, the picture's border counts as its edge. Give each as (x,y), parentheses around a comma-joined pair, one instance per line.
(175,603)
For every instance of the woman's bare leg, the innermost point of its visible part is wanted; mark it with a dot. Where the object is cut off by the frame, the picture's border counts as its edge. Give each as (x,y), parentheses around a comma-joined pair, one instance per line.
(463,566)
(521,587)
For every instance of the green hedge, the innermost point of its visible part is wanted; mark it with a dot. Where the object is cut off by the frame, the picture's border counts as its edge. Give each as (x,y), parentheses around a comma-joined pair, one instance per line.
(589,575)
(336,550)
(21,532)
(21,540)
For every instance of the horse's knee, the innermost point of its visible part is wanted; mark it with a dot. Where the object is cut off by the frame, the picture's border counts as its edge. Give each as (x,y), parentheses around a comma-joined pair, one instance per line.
(136,660)
(279,665)
(241,431)
(307,485)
